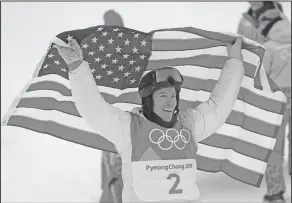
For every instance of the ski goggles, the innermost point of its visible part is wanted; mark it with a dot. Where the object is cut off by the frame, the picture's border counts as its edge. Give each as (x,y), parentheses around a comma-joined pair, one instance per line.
(164,74)
(163,77)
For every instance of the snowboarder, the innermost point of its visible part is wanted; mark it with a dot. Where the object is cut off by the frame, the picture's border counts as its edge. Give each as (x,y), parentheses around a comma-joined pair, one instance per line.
(158,146)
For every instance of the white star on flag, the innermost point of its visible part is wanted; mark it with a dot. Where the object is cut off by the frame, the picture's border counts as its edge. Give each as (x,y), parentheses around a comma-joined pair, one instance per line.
(142,57)
(93,70)
(126,56)
(100,29)
(98,77)
(94,40)
(57,62)
(135,50)
(109,72)
(127,42)
(97,59)
(91,53)
(110,41)
(101,47)
(116,79)
(116,29)
(85,46)
(137,69)
(133,80)
(121,67)
(69,38)
(45,66)
(108,55)
(51,55)
(131,62)
(143,43)
(104,34)
(127,74)
(120,34)
(118,49)
(103,66)
(136,35)
(114,61)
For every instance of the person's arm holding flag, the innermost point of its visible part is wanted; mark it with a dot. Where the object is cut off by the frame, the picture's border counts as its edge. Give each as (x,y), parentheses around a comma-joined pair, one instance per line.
(209,116)
(109,121)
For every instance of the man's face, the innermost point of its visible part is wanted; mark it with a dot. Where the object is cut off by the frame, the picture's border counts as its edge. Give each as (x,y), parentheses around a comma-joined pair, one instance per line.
(164,101)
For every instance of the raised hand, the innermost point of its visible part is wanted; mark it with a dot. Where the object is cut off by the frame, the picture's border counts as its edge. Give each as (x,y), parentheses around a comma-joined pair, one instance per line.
(234,51)
(72,53)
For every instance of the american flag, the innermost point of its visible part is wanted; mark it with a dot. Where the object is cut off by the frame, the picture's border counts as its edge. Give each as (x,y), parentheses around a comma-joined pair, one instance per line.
(119,56)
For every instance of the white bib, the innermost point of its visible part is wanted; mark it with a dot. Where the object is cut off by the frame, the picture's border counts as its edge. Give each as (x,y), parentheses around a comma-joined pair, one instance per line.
(165,180)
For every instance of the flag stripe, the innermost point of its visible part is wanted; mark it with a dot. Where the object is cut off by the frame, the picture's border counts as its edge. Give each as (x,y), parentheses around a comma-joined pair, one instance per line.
(50,85)
(173,34)
(188,95)
(236,172)
(245,94)
(186,102)
(94,141)
(90,139)
(239,145)
(72,134)
(68,107)
(206,61)
(220,51)
(234,157)
(183,44)
(83,138)
(191,32)
(64,119)
(209,74)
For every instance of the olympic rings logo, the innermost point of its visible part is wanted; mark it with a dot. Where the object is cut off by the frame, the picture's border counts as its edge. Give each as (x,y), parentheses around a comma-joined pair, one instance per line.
(285,51)
(171,138)
(285,54)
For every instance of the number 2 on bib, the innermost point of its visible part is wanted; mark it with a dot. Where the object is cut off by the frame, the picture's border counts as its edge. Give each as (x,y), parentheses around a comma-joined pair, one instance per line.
(174,189)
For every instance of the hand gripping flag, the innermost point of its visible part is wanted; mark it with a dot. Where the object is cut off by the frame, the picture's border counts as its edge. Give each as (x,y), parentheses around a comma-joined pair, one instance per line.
(119,56)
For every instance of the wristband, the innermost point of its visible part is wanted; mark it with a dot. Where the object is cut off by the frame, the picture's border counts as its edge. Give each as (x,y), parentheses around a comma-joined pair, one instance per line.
(235,58)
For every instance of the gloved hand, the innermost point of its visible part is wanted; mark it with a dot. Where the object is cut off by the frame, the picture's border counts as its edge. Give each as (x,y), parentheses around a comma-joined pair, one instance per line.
(72,55)
(234,51)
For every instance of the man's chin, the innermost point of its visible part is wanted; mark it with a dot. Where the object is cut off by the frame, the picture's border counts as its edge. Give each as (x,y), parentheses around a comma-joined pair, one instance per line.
(167,116)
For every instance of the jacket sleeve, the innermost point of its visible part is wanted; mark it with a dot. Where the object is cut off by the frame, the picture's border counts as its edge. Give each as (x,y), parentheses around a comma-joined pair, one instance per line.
(246,28)
(105,119)
(268,60)
(210,115)
(241,26)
